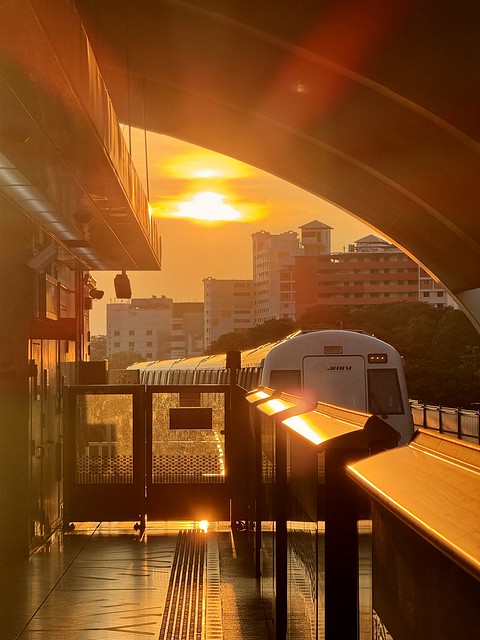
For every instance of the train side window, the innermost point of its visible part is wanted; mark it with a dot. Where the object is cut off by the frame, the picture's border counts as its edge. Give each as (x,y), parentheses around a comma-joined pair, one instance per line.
(246,377)
(289,380)
(384,396)
(241,377)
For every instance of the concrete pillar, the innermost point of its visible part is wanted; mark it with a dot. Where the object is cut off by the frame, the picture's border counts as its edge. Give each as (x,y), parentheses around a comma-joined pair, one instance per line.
(16,309)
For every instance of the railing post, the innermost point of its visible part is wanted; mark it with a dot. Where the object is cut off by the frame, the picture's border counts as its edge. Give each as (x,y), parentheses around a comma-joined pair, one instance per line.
(341,548)
(234,444)
(258,491)
(281,550)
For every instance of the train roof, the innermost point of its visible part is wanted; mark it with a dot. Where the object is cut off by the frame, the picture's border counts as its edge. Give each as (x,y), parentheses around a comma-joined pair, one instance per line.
(254,357)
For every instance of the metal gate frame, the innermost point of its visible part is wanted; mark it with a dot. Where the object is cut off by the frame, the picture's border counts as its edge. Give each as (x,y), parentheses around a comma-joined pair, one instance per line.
(112,501)
(84,502)
(189,501)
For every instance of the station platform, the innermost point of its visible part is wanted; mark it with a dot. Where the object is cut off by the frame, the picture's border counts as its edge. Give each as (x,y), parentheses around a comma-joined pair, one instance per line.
(105,580)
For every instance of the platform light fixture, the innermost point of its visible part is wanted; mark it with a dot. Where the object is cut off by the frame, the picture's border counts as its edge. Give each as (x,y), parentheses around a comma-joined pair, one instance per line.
(122,285)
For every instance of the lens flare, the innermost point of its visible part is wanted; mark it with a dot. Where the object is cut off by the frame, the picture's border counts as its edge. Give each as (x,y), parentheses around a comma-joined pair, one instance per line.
(208,206)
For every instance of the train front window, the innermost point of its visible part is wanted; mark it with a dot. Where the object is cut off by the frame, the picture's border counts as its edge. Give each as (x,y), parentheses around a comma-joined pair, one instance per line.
(384,396)
(288,380)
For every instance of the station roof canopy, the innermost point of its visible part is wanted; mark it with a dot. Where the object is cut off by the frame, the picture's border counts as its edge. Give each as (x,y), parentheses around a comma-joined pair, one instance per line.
(371,105)
(63,160)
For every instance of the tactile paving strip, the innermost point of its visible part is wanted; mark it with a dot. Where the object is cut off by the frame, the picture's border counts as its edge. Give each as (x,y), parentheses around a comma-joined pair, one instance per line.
(184,605)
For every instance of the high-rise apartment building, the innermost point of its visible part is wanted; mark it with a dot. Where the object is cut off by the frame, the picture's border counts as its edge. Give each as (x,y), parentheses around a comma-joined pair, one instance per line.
(269,254)
(371,272)
(187,329)
(315,238)
(433,292)
(229,306)
(142,325)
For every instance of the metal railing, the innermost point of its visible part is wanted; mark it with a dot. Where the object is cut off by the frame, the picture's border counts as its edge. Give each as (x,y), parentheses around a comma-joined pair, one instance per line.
(425,537)
(459,423)
(353,545)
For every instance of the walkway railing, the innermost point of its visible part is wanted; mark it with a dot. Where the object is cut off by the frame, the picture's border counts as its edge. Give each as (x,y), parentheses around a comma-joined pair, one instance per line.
(459,423)
(354,545)
(425,537)
(307,512)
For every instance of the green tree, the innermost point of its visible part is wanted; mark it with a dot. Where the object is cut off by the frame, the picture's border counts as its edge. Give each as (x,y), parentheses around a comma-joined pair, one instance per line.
(98,347)
(123,359)
(326,317)
(269,331)
(235,340)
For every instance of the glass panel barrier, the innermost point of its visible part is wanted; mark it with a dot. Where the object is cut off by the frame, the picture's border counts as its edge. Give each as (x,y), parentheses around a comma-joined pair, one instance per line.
(104,439)
(188,441)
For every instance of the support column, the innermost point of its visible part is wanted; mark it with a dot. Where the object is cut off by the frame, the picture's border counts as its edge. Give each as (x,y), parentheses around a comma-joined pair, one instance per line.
(16,309)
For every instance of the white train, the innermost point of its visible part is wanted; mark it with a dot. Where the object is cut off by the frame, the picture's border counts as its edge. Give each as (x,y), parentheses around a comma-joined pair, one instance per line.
(349,369)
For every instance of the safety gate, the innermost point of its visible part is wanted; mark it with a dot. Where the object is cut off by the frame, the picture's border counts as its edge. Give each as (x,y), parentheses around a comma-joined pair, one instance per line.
(133,451)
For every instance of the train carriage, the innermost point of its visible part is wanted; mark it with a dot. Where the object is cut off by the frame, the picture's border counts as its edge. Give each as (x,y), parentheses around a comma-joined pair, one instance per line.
(346,368)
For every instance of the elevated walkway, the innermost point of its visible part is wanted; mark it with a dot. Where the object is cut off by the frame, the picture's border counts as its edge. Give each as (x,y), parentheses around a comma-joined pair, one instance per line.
(104,580)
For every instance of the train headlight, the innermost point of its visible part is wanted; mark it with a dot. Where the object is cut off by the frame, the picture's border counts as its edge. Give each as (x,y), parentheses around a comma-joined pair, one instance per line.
(377,358)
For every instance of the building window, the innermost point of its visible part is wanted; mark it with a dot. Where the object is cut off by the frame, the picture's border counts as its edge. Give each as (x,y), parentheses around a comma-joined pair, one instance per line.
(131,344)
(149,344)
(116,345)
(131,332)
(149,332)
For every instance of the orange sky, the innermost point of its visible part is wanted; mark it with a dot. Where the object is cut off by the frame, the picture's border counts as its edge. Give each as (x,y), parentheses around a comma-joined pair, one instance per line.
(192,249)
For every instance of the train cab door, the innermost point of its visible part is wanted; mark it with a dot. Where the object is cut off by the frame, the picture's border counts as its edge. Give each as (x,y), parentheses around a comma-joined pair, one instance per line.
(337,379)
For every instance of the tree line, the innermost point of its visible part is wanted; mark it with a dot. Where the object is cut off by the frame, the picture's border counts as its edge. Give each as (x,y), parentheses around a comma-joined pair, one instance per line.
(440,347)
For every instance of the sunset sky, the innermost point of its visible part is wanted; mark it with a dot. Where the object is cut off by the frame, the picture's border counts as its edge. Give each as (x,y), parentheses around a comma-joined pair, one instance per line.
(187,184)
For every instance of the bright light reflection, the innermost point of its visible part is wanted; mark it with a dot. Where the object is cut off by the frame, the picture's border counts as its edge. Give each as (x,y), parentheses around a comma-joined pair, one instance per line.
(203,526)
(207,206)
(297,424)
(277,405)
(206,173)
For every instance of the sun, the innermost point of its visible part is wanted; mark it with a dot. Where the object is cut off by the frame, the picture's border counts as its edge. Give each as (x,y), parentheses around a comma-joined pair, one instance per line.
(208,206)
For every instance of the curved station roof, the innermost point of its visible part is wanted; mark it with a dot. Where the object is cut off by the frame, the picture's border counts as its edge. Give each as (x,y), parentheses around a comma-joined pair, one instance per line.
(373,106)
